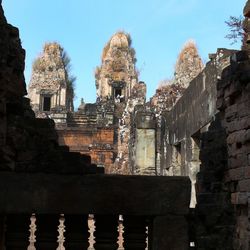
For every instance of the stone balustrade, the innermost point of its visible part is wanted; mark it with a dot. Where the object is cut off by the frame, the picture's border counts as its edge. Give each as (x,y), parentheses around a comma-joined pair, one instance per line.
(50,211)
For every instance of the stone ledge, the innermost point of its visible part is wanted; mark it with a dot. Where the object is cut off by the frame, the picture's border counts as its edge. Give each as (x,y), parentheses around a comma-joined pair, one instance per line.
(98,194)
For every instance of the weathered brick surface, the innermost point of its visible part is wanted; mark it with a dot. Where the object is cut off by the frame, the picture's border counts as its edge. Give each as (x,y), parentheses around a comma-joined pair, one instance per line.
(225,160)
(233,173)
(98,143)
(236,114)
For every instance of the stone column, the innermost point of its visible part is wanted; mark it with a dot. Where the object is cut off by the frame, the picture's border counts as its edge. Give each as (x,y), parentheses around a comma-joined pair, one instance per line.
(145,144)
(169,232)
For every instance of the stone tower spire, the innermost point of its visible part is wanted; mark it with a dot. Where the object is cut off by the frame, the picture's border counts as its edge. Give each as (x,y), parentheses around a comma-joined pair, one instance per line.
(50,88)
(188,65)
(117,74)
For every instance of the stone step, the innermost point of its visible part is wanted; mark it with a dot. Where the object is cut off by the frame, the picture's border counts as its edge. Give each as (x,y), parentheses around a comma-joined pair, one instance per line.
(78,119)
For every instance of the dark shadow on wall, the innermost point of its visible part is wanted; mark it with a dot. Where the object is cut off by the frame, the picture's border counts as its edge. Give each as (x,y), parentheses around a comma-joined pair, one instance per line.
(214,215)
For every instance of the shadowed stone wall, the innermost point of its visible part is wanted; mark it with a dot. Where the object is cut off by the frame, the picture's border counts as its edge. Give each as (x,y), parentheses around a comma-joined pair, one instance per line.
(190,117)
(234,104)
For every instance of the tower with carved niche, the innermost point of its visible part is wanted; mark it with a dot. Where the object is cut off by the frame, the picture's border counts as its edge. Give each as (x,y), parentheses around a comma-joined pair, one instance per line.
(117,74)
(50,90)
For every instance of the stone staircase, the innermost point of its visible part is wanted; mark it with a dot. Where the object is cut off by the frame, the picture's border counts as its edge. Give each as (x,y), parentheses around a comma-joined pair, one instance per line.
(80,119)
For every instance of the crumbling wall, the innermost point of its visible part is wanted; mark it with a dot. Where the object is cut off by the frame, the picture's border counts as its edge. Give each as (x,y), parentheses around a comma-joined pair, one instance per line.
(188,66)
(124,162)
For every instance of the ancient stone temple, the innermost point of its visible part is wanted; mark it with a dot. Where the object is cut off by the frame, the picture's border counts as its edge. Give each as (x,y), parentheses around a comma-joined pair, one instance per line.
(48,193)
(100,129)
(196,130)
(111,130)
(50,88)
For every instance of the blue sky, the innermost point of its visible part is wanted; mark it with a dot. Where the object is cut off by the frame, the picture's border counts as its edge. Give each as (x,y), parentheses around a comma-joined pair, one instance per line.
(158,28)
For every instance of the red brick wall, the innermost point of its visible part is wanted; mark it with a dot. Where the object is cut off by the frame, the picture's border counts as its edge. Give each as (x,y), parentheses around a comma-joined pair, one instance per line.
(95,142)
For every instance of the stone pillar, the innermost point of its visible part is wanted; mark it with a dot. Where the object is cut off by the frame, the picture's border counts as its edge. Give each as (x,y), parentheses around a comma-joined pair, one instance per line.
(145,151)
(145,144)
(169,232)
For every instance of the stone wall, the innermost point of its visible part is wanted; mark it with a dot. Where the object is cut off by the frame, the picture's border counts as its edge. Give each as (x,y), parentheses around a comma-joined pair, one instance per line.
(187,67)
(96,142)
(124,162)
(234,104)
(224,179)
(223,183)
(207,133)
(190,117)
(214,220)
